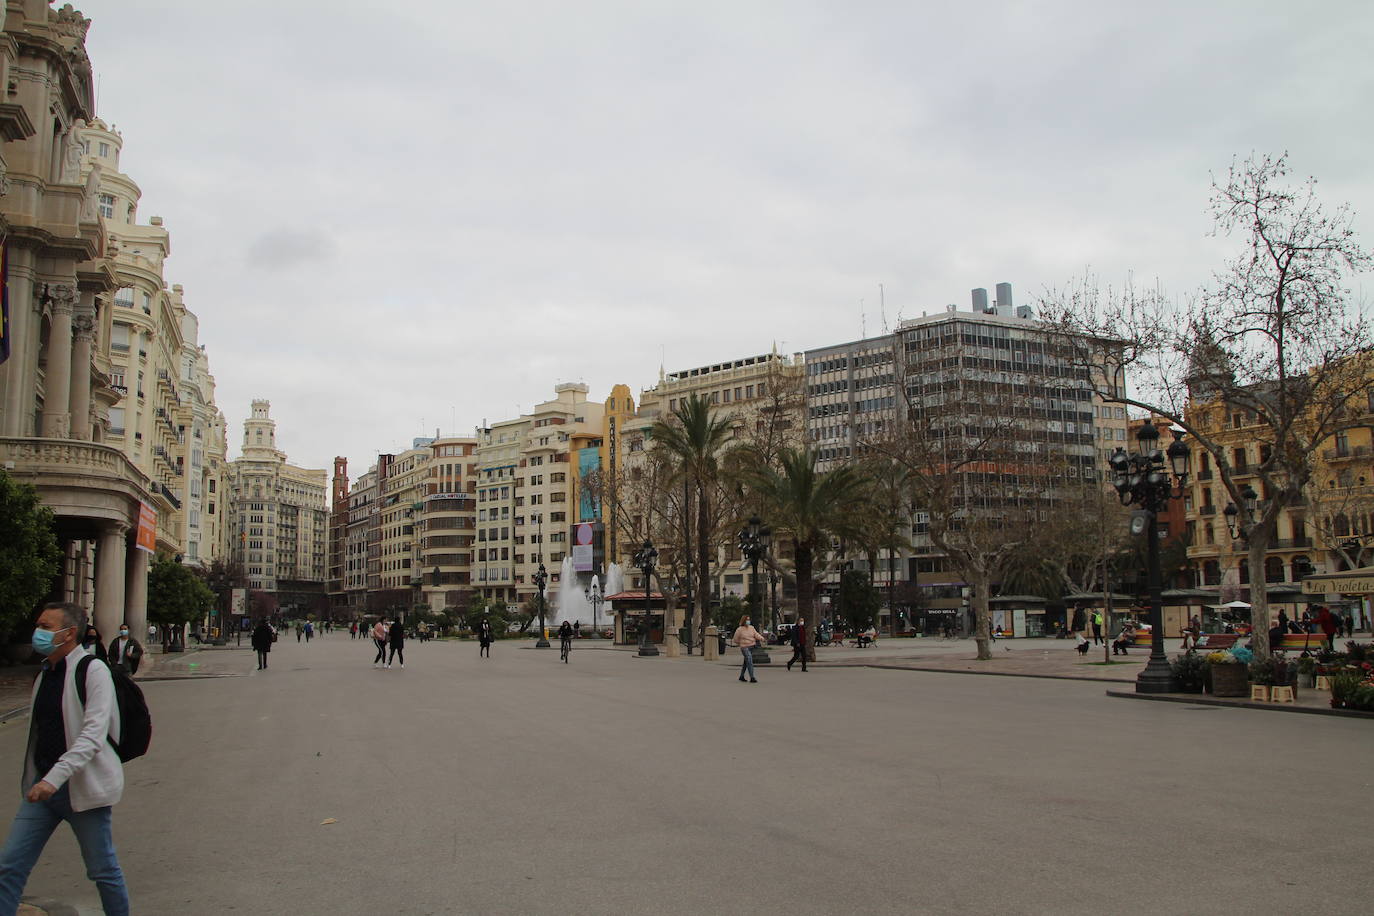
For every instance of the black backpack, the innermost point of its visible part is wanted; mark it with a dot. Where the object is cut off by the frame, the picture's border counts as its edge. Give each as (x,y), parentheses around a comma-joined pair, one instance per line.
(135,722)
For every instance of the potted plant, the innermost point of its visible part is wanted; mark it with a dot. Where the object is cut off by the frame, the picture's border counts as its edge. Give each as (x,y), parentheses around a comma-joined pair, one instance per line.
(1264,672)
(1228,675)
(1307,670)
(1190,672)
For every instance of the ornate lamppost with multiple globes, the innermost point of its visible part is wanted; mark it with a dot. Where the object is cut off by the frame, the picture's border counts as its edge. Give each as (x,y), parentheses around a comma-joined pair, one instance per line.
(1143,479)
(644,559)
(595,598)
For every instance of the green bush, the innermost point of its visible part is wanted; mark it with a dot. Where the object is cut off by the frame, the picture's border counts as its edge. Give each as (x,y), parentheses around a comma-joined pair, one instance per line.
(1190,671)
(1343,687)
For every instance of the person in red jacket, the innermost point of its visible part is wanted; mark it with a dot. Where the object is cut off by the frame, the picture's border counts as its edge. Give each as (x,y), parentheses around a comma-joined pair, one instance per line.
(1327,622)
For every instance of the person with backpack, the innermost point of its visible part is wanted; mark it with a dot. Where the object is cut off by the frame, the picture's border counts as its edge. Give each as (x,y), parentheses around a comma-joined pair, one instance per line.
(72,767)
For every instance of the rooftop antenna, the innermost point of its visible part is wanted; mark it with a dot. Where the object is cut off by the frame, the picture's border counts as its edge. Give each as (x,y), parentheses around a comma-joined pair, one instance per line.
(863,321)
(882,307)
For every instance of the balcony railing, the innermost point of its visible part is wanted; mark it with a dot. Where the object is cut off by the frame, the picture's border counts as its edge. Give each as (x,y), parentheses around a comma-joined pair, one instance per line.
(1338,453)
(1207,510)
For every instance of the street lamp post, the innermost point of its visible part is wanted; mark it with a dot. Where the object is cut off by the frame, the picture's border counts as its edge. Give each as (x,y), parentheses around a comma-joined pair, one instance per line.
(753,543)
(595,598)
(1144,480)
(644,558)
(541,578)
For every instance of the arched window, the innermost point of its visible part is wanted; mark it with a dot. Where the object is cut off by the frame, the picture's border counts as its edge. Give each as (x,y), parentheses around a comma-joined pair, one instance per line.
(1211,573)
(1273,570)
(1244,572)
(1341,526)
(1302,566)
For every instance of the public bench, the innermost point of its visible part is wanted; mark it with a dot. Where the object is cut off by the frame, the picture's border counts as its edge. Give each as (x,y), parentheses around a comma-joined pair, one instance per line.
(1297,642)
(1215,642)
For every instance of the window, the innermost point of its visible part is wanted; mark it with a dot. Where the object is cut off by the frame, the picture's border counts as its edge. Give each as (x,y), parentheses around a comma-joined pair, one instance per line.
(107,202)
(124,297)
(104,149)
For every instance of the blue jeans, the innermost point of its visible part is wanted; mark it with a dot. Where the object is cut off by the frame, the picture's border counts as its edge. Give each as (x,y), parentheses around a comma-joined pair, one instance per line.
(34,824)
(748,666)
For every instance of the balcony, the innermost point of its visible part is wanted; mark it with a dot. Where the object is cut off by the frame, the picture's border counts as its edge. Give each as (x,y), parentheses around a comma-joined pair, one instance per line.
(1346,452)
(1207,510)
(1205,475)
(77,479)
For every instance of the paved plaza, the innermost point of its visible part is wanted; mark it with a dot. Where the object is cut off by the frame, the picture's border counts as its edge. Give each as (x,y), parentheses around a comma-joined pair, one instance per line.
(616,784)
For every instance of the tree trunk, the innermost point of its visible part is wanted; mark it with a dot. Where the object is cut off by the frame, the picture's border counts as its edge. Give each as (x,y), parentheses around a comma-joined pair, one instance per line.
(1259,592)
(703,588)
(806,605)
(692,603)
(982,614)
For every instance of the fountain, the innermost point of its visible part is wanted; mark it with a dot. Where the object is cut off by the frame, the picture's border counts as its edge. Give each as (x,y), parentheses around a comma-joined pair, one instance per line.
(573,605)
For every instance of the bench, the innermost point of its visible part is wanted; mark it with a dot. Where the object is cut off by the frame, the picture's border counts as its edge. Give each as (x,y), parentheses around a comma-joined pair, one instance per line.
(1297,642)
(1215,642)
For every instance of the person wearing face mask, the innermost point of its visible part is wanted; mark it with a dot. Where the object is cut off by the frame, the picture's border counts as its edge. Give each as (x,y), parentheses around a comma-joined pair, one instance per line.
(71,772)
(746,637)
(125,651)
(92,643)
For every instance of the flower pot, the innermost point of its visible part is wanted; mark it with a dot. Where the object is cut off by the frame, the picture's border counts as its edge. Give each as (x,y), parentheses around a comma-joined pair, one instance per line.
(1230,681)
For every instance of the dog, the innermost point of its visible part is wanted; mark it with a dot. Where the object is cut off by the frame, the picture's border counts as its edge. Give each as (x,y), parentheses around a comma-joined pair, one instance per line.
(1082,648)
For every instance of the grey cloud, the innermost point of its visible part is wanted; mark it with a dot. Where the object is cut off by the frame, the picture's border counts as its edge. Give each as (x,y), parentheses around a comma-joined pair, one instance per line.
(288,249)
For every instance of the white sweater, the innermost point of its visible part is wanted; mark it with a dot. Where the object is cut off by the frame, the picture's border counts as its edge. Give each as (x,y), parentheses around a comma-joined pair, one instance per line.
(90,765)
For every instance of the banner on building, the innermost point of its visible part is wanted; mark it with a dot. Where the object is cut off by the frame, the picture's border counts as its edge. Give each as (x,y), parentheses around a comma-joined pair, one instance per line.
(588,462)
(584,548)
(147,528)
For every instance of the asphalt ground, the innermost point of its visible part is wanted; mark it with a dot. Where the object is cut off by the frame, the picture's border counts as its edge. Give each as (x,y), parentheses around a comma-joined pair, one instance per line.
(616,784)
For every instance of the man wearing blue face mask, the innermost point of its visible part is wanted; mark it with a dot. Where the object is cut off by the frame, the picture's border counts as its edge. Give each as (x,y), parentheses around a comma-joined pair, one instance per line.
(71,771)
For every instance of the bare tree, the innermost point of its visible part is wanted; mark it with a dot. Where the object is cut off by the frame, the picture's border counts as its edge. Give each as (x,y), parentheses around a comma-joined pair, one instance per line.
(1272,342)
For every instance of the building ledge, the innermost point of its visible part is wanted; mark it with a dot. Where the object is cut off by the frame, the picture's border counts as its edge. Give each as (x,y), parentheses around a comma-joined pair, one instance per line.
(14,122)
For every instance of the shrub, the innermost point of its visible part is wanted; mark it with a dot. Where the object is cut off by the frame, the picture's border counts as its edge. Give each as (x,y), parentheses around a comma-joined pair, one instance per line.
(1190,671)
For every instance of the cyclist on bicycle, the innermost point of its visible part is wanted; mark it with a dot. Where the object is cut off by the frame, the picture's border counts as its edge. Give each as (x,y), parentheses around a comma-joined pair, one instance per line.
(565,637)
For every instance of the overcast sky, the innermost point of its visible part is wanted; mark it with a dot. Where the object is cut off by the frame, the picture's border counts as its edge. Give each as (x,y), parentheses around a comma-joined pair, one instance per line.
(392,218)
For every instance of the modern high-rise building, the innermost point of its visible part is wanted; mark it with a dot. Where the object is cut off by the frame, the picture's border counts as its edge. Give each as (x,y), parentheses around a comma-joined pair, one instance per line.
(960,371)
(278,521)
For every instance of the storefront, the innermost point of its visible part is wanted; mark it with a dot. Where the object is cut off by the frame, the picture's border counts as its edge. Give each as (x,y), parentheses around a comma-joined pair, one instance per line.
(1018,615)
(1344,592)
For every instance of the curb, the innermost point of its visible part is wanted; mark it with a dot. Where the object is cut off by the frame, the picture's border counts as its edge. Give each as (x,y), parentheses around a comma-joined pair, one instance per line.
(1198,699)
(928,670)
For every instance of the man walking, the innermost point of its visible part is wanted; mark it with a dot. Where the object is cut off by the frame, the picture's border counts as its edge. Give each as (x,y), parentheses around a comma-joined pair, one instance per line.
(1097,628)
(798,644)
(262,642)
(125,651)
(71,770)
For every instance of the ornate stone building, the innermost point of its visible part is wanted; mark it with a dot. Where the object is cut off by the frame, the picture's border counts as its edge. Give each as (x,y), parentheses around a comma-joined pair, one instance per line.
(278,523)
(56,387)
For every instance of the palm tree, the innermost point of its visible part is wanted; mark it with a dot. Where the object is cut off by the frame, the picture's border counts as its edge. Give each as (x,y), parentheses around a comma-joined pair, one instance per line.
(695,439)
(809,508)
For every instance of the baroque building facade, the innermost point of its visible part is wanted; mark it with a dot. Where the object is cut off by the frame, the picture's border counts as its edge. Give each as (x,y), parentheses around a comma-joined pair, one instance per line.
(278,521)
(55,359)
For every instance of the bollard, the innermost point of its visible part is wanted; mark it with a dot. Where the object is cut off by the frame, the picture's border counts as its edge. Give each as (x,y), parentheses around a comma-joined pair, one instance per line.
(710,649)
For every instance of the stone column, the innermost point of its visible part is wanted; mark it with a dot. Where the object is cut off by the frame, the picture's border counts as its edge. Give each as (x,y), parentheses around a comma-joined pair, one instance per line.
(16,373)
(81,377)
(58,377)
(136,595)
(109,580)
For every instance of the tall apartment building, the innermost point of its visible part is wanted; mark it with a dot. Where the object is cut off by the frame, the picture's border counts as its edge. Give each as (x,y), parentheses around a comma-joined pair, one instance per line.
(957,366)
(278,520)
(401,492)
(165,419)
(764,398)
(448,523)
(362,545)
(336,562)
(527,491)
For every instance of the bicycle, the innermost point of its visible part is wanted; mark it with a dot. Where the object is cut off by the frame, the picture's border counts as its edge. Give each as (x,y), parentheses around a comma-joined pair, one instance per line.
(565,649)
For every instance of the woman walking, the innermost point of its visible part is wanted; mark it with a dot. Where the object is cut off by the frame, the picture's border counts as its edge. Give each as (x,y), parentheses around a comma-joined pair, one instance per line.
(397,637)
(746,637)
(484,637)
(379,640)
